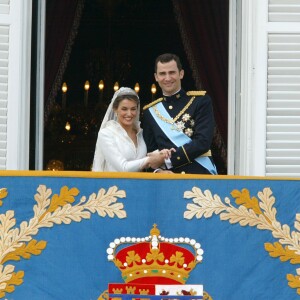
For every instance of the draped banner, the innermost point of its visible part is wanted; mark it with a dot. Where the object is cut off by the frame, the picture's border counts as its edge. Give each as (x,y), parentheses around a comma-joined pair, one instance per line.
(62,234)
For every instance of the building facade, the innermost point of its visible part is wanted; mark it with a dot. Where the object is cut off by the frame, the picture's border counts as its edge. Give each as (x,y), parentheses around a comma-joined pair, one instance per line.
(264,86)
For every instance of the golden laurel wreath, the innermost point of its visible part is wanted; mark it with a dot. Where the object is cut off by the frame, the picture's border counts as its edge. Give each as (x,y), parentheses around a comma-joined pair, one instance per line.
(17,243)
(257,212)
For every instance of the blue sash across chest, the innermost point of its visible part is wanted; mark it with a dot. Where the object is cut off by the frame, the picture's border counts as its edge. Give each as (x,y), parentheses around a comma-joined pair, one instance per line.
(177,137)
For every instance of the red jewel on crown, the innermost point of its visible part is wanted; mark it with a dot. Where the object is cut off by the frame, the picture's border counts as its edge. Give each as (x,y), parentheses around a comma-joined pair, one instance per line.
(155,259)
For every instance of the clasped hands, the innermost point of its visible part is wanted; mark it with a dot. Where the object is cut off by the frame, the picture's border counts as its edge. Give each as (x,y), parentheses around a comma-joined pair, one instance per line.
(157,158)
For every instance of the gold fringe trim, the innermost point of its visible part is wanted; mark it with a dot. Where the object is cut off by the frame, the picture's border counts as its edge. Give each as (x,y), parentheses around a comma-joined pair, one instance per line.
(196,93)
(135,175)
(208,153)
(152,103)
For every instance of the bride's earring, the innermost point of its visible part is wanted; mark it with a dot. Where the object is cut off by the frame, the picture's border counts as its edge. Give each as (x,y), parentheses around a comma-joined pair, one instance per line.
(116,114)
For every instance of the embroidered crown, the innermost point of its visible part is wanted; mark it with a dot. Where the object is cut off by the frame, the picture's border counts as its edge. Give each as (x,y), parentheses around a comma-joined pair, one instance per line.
(155,259)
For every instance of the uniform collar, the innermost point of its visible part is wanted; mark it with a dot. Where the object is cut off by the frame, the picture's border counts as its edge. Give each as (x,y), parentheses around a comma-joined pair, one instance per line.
(175,96)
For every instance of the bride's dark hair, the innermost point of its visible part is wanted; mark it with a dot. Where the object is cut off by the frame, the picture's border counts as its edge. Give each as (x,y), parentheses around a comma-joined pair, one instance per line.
(131,97)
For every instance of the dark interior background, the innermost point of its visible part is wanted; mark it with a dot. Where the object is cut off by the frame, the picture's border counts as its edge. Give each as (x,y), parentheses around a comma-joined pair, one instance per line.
(115,40)
(119,41)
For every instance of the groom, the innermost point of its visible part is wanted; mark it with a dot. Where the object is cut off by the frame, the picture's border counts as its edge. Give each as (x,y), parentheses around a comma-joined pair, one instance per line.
(180,120)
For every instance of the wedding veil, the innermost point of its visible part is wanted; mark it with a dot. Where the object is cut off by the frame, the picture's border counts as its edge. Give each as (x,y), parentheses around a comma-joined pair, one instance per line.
(99,160)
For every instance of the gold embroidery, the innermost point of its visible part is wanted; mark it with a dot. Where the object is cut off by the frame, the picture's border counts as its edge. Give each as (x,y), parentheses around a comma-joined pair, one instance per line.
(25,251)
(173,120)
(243,198)
(262,216)
(144,292)
(179,258)
(3,194)
(104,296)
(208,153)
(206,296)
(294,282)
(130,289)
(185,154)
(284,254)
(66,196)
(17,242)
(7,285)
(152,103)
(132,257)
(196,93)
(117,291)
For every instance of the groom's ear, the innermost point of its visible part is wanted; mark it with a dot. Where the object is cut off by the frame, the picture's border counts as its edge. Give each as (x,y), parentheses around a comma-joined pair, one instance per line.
(181,74)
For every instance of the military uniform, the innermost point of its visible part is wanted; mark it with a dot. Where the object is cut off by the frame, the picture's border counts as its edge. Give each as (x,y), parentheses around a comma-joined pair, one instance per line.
(190,113)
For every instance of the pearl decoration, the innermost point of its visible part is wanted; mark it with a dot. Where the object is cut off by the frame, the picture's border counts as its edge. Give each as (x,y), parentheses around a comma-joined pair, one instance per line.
(109,251)
(154,244)
(197,245)
(199,257)
(200,251)
(154,240)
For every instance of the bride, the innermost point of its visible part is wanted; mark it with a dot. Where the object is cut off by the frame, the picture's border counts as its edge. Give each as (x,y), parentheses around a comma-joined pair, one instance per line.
(120,145)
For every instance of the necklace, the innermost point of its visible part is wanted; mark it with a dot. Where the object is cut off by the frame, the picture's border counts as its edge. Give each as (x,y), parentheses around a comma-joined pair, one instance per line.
(173,120)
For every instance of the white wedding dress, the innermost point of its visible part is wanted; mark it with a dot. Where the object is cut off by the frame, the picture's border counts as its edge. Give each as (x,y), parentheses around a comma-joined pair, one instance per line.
(119,151)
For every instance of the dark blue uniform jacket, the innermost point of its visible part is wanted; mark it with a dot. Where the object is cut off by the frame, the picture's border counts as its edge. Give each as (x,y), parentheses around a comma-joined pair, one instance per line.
(196,121)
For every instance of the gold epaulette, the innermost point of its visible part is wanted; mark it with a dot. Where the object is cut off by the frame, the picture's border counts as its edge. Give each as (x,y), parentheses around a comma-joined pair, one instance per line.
(196,93)
(152,103)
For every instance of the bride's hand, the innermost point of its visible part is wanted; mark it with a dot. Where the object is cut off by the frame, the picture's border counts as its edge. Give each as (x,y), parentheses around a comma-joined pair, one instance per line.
(155,159)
